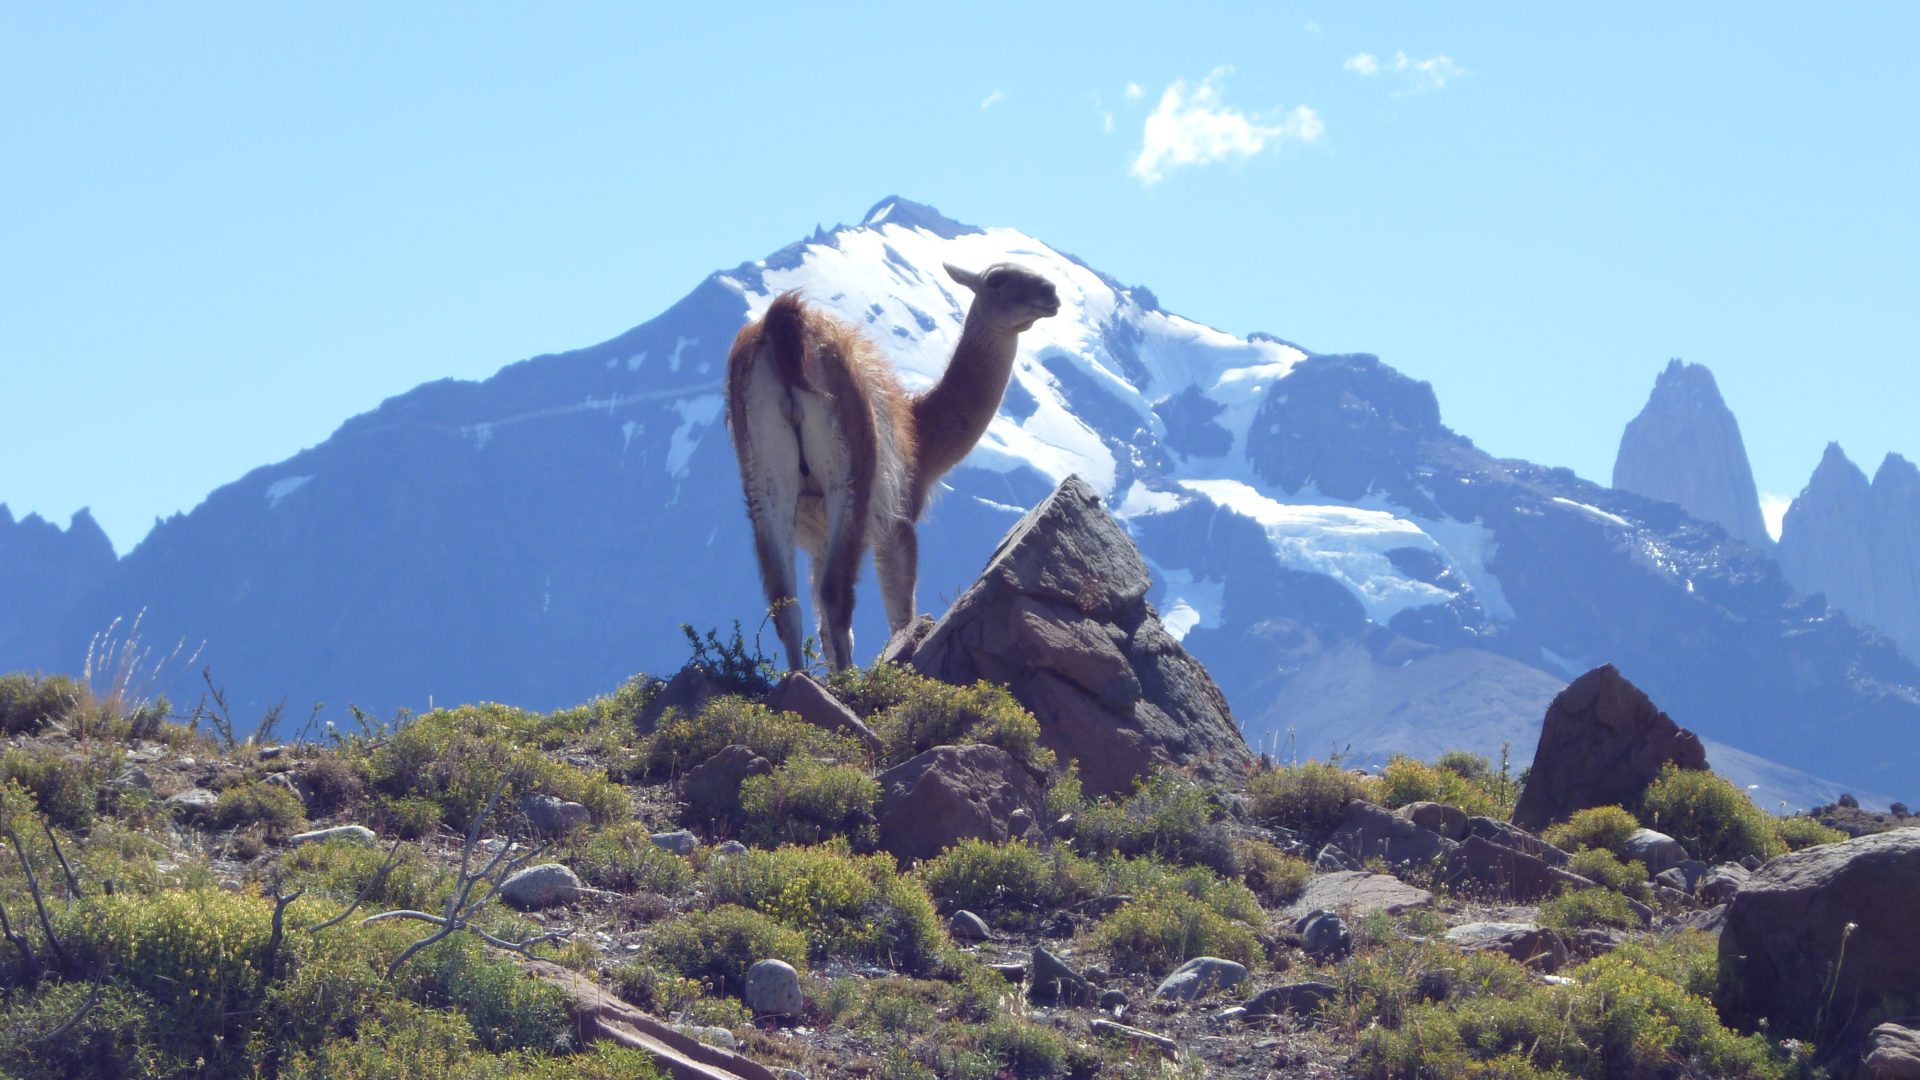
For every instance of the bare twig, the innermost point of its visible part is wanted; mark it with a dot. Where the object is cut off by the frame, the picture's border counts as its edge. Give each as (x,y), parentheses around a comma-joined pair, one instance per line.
(39,903)
(74,1020)
(20,942)
(379,876)
(281,901)
(73,883)
(462,902)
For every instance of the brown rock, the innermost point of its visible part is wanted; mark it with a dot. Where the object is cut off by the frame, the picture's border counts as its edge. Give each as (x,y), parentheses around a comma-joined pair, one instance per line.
(1504,873)
(797,693)
(1893,1051)
(1060,616)
(1816,938)
(1535,946)
(689,692)
(711,789)
(1448,821)
(1602,743)
(1368,831)
(951,793)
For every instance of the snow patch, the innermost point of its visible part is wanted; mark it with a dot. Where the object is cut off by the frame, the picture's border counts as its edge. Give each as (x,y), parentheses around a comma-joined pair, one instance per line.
(696,416)
(634,361)
(1595,511)
(481,433)
(627,431)
(679,347)
(284,487)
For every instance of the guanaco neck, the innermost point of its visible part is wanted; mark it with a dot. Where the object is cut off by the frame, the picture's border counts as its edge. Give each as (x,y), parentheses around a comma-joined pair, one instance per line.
(954,413)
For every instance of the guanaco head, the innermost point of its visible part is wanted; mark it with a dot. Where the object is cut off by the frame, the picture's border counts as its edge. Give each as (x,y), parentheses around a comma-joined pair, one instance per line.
(1012,297)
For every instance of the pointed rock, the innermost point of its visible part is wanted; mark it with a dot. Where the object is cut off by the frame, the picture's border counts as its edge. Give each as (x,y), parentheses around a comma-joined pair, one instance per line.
(1685,448)
(1060,616)
(1859,543)
(1602,743)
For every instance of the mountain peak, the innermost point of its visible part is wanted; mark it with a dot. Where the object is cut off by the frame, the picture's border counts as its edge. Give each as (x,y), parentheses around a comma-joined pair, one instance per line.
(1836,470)
(1896,471)
(894,210)
(1685,447)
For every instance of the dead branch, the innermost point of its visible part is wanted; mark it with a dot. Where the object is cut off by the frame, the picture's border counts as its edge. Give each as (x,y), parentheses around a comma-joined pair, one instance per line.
(25,947)
(73,883)
(39,903)
(379,876)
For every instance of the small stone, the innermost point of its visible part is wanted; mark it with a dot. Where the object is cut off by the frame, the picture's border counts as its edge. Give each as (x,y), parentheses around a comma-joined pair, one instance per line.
(1751,863)
(1893,1052)
(1656,850)
(552,816)
(773,987)
(679,841)
(727,849)
(1324,935)
(1013,973)
(358,834)
(1113,1001)
(1237,1012)
(712,1036)
(543,886)
(1449,821)
(1134,1035)
(193,801)
(268,753)
(1053,981)
(1719,884)
(1199,976)
(966,926)
(1332,859)
(1300,997)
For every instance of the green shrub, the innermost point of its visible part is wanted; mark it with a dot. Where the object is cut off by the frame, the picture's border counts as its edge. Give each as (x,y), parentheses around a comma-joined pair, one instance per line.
(1602,867)
(1309,797)
(456,758)
(1604,827)
(1159,932)
(114,1038)
(401,1041)
(408,817)
(1635,1012)
(333,783)
(1146,876)
(1797,833)
(1713,818)
(255,803)
(1015,878)
(1583,908)
(911,713)
(718,946)
(196,954)
(342,870)
(622,708)
(1166,817)
(1405,780)
(28,703)
(1276,877)
(847,905)
(625,859)
(65,785)
(508,1009)
(1380,985)
(807,800)
(681,742)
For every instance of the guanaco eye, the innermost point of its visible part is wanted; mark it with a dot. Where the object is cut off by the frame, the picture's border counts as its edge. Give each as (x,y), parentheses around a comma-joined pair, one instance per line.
(996,278)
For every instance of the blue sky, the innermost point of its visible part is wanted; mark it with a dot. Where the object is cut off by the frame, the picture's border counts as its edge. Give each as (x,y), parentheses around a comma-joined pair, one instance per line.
(225,229)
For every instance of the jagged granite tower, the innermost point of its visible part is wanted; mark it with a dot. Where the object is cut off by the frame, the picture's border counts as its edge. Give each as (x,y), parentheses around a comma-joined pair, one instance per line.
(1859,543)
(1685,448)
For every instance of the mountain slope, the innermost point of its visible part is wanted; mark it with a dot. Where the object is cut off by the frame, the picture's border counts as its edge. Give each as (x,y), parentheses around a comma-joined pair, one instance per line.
(538,536)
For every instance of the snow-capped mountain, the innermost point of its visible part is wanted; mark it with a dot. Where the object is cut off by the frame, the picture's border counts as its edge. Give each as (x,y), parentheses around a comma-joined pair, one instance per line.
(1351,571)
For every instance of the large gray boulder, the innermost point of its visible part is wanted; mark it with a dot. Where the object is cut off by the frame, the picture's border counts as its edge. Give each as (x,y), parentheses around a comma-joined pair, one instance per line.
(1601,744)
(1367,832)
(1357,893)
(1060,616)
(951,793)
(1816,939)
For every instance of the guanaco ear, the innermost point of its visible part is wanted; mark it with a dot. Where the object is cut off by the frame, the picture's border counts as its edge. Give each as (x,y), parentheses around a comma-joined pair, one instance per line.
(965,277)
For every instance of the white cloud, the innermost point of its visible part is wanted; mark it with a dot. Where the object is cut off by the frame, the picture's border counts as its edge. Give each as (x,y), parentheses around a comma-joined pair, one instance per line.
(992,99)
(1191,126)
(1134,92)
(1773,509)
(1421,76)
(1106,122)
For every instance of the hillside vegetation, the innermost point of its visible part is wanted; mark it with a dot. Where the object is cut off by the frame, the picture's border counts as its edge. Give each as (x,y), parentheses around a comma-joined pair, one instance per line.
(160,920)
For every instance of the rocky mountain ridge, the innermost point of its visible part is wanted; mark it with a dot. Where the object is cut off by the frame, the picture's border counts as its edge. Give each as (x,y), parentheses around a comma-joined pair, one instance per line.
(1307,520)
(1685,447)
(1858,542)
